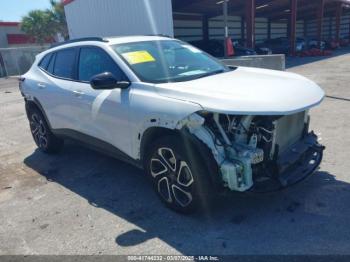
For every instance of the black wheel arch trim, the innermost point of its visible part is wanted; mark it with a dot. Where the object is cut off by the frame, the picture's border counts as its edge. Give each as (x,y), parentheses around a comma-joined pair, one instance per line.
(207,156)
(36,103)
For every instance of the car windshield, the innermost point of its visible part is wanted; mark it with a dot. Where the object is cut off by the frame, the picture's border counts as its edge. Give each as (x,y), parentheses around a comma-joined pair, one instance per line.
(168,61)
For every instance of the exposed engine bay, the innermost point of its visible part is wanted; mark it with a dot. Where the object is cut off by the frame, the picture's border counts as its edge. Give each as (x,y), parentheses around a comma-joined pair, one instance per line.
(250,150)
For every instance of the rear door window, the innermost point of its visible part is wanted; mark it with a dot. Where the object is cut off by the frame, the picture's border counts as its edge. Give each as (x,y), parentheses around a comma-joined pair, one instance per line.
(64,63)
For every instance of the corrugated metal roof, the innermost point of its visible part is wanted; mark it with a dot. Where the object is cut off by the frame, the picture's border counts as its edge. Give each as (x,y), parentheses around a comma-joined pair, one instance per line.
(264,8)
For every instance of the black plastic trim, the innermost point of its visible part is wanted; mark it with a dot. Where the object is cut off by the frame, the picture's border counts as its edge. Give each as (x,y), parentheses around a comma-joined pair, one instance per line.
(36,102)
(97,145)
(294,164)
(97,39)
(207,156)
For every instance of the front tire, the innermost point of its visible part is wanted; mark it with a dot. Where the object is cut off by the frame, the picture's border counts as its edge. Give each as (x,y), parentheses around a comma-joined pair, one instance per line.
(45,140)
(179,175)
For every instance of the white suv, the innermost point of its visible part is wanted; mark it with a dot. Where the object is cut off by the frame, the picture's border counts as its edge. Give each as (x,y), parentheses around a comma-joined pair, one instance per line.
(196,126)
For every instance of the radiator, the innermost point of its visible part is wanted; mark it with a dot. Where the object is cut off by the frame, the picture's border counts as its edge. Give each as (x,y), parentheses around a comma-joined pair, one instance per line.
(289,130)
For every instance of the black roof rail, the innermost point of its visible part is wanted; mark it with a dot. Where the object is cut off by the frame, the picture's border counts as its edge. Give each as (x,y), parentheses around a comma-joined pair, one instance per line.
(98,39)
(163,35)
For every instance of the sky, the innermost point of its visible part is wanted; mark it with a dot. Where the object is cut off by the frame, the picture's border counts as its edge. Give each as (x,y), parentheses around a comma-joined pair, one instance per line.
(13,10)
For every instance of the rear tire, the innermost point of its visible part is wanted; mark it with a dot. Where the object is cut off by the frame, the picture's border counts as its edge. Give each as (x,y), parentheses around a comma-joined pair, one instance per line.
(45,140)
(180,177)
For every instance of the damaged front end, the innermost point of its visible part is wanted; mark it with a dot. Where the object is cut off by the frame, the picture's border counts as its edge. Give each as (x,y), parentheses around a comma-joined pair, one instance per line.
(260,153)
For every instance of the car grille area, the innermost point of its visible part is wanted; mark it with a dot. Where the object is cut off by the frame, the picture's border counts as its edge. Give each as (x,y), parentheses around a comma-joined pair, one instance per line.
(289,130)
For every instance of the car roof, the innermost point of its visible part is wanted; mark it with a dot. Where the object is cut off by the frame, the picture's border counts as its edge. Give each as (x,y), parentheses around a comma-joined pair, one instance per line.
(109,40)
(136,38)
(105,40)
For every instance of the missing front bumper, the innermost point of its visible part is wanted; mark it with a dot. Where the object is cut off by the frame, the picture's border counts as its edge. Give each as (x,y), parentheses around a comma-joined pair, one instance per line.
(293,166)
(300,160)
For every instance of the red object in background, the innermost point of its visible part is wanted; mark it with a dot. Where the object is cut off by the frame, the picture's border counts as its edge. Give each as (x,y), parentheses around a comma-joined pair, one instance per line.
(20,39)
(9,23)
(229,45)
(16,39)
(67,2)
(334,44)
(315,52)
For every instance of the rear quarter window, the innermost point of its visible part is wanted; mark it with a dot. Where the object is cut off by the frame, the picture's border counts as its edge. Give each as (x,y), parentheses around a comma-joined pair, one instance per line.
(51,64)
(44,63)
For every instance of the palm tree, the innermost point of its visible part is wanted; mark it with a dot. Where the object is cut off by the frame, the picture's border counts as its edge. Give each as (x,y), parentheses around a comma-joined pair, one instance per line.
(37,24)
(43,25)
(58,17)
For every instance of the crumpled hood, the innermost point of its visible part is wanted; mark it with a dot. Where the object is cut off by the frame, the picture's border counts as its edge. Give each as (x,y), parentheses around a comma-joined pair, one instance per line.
(248,91)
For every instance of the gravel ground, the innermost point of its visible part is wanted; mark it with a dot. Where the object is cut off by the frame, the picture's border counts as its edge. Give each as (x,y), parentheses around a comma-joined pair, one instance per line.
(81,202)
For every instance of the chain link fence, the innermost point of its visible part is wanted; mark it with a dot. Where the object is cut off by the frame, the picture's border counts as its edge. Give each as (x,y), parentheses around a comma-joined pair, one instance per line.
(17,61)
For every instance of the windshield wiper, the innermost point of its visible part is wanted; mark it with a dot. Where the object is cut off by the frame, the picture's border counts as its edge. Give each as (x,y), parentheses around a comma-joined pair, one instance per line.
(189,78)
(216,72)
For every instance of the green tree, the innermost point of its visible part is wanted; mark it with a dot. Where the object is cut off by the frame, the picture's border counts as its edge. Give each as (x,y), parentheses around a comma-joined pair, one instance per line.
(58,18)
(38,24)
(45,24)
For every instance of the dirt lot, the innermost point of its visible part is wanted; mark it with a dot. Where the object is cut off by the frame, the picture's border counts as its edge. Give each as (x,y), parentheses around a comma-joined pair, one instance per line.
(81,202)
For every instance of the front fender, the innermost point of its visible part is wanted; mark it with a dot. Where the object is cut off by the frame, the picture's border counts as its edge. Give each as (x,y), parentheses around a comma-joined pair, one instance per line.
(149,110)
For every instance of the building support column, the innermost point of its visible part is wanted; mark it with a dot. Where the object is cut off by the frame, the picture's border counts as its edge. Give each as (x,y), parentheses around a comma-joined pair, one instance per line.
(205,28)
(320,13)
(269,29)
(292,23)
(349,31)
(242,29)
(250,21)
(337,21)
(225,11)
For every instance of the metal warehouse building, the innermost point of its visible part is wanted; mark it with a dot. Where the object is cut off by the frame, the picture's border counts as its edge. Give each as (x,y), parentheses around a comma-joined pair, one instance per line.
(250,20)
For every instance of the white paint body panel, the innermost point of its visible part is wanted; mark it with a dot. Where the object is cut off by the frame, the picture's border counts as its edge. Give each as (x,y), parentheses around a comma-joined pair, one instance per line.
(119,18)
(120,117)
(248,91)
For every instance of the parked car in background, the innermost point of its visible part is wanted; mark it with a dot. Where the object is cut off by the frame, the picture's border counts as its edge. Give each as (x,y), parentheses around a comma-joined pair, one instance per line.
(212,47)
(260,49)
(344,41)
(216,48)
(241,50)
(313,43)
(332,44)
(281,45)
(196,126)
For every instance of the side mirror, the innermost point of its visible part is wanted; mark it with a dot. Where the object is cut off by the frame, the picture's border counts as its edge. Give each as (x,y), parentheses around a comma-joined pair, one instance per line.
(107,81)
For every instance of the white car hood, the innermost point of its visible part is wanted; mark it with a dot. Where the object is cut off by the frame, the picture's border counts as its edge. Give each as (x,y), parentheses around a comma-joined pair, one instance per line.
(248,91)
